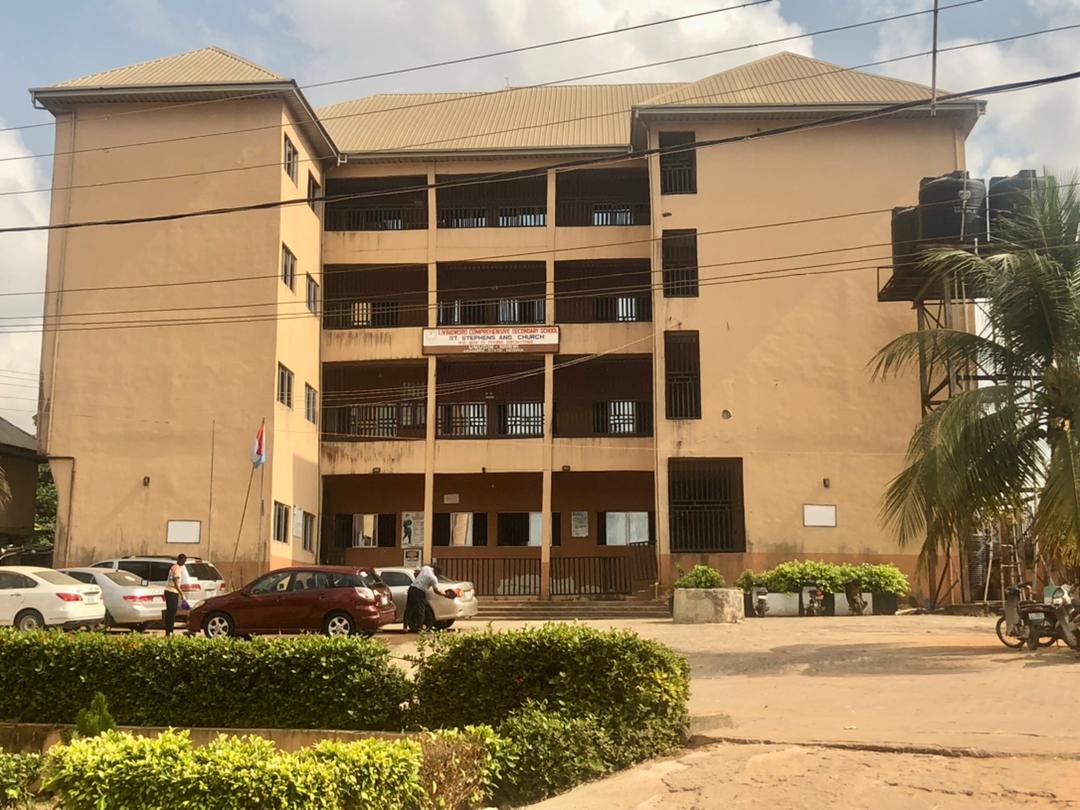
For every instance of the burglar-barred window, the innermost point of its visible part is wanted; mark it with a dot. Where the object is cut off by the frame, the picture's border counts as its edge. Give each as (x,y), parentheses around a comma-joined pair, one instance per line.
(705,501)
(281,522)
(682,375)
(680,263)
(678,163)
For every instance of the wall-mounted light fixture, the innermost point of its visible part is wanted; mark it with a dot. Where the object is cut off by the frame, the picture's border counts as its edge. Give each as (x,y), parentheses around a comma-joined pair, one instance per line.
(566,468)
(376,470)
(825,482)
(146,481)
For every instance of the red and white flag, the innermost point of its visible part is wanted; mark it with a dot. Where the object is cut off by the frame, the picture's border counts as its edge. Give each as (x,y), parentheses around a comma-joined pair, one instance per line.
(258,448)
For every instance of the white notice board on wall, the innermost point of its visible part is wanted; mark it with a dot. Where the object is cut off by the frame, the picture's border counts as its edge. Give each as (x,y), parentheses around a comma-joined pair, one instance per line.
(183,531)
(819,514)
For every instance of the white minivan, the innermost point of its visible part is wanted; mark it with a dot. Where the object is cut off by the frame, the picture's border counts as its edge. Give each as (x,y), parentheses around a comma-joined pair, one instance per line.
(33,598)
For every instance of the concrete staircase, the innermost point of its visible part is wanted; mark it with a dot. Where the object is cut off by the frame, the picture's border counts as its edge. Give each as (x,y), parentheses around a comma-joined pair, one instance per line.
(566,611)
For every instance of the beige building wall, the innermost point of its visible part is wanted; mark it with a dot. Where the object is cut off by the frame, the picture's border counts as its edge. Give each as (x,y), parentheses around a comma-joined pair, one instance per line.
(132,416)
(294,442)
(788,358)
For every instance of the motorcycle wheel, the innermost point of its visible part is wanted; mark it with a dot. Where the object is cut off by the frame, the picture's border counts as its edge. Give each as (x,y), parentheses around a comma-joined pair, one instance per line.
(1048,641)
(1011,643)
(1032,641)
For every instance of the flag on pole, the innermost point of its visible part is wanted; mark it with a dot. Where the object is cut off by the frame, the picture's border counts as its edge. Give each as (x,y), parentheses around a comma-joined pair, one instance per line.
(258,448)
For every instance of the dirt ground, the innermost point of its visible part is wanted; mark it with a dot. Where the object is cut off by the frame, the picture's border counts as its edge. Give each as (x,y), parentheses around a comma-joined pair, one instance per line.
(907,683)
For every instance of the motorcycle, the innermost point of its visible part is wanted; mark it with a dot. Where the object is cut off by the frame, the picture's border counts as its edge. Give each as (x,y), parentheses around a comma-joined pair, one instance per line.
(761,601)
(815,600)
(1037,624)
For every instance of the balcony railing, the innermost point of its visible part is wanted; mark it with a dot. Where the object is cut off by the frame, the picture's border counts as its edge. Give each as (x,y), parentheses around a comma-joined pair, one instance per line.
(356,314)
(619,417)
(490,420)
(495,576)
(586,213)
(393,218)
(604,308)
(493,215)
(401,420)
(490,312)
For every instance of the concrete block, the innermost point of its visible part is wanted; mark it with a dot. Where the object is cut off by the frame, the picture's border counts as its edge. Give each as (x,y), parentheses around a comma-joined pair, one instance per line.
(708,605)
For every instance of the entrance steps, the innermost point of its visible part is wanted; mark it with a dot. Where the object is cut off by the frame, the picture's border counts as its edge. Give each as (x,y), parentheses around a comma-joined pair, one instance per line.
(566,611)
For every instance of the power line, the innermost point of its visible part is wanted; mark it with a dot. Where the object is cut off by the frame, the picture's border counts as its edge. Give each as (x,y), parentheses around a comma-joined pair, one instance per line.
(435,102)
(425,66)
(837,120)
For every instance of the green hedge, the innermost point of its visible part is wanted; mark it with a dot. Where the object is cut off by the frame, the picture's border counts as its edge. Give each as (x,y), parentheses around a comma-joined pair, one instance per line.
(637,689)
(548,752)
(700,576)
(18,772)
(118,771)
(309,682)
(789,577)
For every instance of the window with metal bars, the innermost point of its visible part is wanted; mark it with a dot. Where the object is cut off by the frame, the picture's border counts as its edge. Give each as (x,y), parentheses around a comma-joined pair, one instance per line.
(284,386)
(705,503)
(309,531)
(291,160)
(682,375)
(311,400)
(312,295)
(288,267)
(678,167)
(314,194)
(521,418)
(281,522)
(680,263)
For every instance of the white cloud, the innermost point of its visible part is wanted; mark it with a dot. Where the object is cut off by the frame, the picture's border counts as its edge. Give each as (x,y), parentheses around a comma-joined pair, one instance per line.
(345,38)
(1023,129)
(23,268)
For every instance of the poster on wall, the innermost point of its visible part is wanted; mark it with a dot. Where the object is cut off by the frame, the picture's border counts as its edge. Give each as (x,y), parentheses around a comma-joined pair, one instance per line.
(579,524)
(412,557)
(412,529)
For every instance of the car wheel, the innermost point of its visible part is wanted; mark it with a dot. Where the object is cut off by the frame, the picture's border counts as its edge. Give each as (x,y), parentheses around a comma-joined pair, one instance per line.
(219,625)
(338,624)
(140,628)
(29,620)
(444,625)
(110,622)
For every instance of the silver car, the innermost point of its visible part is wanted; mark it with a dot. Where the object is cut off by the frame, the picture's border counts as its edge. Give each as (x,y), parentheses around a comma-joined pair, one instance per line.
(442,612)
(129,600)
(199,579)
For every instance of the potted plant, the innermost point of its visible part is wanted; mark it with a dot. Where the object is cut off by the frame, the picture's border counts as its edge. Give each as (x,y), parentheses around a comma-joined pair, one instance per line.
(700,597)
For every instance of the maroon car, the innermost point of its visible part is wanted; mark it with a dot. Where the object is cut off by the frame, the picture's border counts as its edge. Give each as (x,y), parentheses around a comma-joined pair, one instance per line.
(335,600)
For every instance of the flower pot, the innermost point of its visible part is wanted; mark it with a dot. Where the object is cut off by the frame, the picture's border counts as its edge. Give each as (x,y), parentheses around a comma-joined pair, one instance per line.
(885,604)
(708,606)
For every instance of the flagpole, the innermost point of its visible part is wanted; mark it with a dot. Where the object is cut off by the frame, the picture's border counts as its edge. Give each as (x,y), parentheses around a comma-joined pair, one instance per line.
(243,513)
(210,506)
(258,459)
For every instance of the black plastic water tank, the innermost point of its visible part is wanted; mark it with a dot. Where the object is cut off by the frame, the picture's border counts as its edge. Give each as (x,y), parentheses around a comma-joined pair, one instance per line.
(952,208)
(905,240)
(1009,195)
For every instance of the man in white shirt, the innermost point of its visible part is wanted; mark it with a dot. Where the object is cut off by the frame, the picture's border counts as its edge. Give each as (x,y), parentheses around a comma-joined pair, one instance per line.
(416,614)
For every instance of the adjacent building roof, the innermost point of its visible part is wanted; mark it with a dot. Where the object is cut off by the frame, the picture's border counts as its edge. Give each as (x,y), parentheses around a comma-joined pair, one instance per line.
(17,439)
(212,65)
(786,79)
(594,117)
(589,115)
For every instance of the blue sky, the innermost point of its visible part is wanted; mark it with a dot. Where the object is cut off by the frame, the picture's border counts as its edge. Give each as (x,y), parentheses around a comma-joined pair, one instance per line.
(317,40)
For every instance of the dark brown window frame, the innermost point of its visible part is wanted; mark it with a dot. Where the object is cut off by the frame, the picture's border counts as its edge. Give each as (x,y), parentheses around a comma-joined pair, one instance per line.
(706,505)
(682,375)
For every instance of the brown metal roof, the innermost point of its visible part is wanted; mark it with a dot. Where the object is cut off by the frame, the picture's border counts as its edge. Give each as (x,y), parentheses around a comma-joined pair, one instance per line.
(790,79)
(210,65)
(571,116)
(14,438)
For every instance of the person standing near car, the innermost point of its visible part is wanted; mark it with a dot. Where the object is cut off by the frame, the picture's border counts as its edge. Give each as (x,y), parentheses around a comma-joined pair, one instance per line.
(427,579)
(173,592)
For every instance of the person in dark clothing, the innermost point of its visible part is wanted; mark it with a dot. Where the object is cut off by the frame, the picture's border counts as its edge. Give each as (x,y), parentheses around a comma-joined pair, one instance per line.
(416,613)
(173,593)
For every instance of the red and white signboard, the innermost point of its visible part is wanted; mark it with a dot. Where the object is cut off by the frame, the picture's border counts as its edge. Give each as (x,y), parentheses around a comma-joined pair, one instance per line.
(494,339)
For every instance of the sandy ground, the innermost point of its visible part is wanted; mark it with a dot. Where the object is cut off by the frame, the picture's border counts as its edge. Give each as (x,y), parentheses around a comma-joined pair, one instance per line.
(905,681)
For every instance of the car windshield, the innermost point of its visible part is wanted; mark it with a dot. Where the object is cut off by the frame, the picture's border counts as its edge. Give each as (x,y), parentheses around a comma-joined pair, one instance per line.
(202,570)
(125,578)
(56,578)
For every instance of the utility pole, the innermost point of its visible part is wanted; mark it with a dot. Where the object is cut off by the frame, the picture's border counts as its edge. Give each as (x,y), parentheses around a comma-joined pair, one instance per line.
(933,65)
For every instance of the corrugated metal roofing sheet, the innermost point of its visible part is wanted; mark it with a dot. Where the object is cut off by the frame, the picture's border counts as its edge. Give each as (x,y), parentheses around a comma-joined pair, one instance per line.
(12,436)
(787,79)
(516,118)
(211,65)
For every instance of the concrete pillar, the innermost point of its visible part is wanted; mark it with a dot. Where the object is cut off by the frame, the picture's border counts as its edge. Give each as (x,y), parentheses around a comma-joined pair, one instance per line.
(549,397)
(430,409)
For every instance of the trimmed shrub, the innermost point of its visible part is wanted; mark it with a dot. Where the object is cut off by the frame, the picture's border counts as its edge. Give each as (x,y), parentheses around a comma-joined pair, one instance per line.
(370,773)
(548,753)
(789,577)
(18,772)
(459,767)
(637,689)
(119,770)
(305,682)
(700,576)
(96,719)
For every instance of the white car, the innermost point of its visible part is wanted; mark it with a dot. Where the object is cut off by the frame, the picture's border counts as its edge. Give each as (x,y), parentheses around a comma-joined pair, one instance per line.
(32,598)
(443,612)
(129,600)
(199,580)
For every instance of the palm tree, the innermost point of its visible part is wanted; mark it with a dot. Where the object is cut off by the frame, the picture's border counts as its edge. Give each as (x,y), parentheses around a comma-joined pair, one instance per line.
(1012,442)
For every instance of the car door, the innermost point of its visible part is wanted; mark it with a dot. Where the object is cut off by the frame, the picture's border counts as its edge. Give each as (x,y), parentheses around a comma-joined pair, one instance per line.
(257,609)
(12,596)
(398,582)
(307,601)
